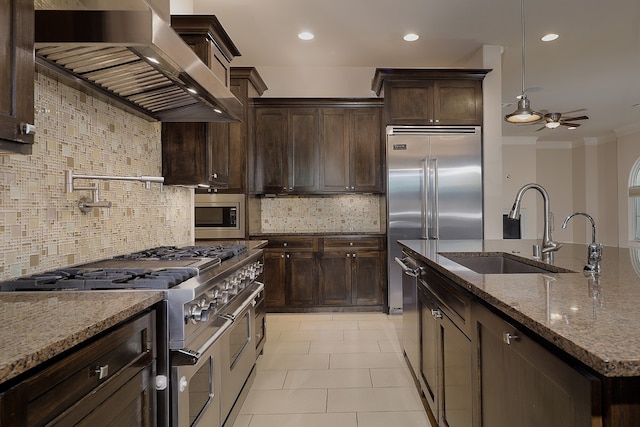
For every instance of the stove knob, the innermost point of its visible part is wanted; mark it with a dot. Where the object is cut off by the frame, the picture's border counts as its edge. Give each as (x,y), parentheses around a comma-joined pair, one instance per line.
(197,314)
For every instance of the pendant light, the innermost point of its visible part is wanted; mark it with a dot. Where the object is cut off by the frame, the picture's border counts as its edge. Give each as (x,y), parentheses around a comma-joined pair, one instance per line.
(524,113)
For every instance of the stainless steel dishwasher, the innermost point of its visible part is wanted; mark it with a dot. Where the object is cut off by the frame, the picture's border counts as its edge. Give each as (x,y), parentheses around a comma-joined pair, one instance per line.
(410,314)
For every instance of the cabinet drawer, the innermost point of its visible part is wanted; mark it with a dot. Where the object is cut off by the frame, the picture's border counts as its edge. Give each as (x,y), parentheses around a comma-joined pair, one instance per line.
(453,300)
(353,242)
(59,386)
(301,243)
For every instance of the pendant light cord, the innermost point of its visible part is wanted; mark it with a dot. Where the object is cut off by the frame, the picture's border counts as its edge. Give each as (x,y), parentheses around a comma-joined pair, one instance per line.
(522,26)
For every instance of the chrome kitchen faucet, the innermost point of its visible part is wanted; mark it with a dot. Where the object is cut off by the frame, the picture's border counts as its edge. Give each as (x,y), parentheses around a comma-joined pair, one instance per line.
(548,245)
(594,254)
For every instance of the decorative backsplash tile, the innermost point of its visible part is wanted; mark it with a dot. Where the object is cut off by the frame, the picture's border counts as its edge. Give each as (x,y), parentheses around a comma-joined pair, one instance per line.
(41,227)
(357,213)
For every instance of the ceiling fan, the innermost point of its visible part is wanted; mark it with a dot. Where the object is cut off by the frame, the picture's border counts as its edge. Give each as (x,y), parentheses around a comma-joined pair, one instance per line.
(555,120)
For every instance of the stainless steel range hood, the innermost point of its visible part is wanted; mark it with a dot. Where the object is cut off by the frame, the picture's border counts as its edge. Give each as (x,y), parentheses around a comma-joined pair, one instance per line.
(133,55)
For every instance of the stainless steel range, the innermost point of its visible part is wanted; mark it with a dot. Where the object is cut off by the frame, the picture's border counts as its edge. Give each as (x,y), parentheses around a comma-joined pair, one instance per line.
(211,327)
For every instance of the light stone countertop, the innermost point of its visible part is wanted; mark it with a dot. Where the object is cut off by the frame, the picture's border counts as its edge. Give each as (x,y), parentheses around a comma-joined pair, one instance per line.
(594,319)
(37,326)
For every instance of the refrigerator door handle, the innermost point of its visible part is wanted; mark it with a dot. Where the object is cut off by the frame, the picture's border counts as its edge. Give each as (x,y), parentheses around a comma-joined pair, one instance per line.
(434,231)
(424,208)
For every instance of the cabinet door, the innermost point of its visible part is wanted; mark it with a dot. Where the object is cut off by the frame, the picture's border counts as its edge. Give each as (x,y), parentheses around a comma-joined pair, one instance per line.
(366,150)
(367,278)
(129,405)
(301,280)
(456,400)
(270,151)
(521,380)
(16,75)
(302,150)
(274,278)
(237,147)
(409,102)
(457,102)
(185,153)
(334,277)
(218,146)
(429,350)
(334,148)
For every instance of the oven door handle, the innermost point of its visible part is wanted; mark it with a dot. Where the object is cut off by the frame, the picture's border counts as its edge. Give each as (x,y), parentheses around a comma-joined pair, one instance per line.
(187,357)
(248,301)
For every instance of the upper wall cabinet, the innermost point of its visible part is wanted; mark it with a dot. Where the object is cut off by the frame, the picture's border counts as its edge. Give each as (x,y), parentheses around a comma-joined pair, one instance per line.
(16,76)
(318,146)
(431,97)
(211,154)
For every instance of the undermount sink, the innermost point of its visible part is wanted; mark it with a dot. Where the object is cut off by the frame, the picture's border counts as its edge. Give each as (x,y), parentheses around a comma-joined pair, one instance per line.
(501,263)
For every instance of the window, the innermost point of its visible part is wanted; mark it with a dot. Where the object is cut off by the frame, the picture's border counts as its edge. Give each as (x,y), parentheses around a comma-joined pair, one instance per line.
(634,200)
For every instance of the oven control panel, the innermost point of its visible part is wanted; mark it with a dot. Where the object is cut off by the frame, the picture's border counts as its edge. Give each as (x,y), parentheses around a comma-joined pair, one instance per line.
(222,293)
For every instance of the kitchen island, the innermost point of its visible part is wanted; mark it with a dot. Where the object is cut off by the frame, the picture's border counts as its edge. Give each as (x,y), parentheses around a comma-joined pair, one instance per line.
(38,326)
(584,326)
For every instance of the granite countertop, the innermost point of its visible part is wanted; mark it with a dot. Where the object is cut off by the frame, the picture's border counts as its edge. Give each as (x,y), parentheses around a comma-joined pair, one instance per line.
(594,319)
(37,326)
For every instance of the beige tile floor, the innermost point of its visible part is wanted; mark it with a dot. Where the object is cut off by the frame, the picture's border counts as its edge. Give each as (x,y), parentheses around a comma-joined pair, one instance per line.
(336,369)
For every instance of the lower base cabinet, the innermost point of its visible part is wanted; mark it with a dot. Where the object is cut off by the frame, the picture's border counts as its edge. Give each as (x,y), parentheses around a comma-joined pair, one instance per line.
(110,381)
(522,383)
(477,369)
(446,366)
(304,273)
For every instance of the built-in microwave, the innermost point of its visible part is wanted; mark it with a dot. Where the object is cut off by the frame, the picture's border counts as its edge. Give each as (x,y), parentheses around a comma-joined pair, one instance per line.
(219,216)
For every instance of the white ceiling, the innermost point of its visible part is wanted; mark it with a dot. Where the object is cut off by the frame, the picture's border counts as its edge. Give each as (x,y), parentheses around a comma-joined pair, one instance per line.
(595,64)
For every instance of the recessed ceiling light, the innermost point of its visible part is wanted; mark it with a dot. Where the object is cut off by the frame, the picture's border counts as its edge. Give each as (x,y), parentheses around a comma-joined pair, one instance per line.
(411,37)
(217,110)
(152,59)
(192,90)
(549,37)
(305,36)
(572,127)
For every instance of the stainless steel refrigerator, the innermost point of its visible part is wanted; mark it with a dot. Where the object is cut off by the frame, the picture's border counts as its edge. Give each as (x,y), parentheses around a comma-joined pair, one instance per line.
(434,190)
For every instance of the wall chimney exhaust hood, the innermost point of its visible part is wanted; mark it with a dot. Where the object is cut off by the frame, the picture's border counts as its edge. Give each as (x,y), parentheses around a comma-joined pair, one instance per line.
(131,53)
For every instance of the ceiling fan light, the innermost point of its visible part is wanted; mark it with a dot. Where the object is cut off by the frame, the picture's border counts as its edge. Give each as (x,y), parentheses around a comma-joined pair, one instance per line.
(524,113)
(552,125)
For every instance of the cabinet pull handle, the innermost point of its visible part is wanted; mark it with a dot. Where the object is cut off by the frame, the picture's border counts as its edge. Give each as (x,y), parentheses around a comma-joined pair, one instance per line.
(437,314)
(285,244)
(348,255)
(288,256)
(102,371)
(354,255)
(408,271)
(27,128)
(214,176)
(282,256)
(507,338)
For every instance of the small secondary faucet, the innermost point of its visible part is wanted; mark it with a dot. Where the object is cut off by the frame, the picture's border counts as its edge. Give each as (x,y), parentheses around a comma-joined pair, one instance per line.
(548,245)
(594,254)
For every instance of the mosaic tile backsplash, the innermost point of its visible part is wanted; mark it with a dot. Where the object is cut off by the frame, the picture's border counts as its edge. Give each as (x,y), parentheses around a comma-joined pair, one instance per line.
(41,227)
(334,214)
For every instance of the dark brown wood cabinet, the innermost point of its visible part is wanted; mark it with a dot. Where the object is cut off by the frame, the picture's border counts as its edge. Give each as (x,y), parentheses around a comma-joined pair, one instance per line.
(522,380)
(351,150)
(318,146)
(289,272)
(286,151)
(17,76)
(446,352)
(211,154)
(351,271)
(107,381)
(431,97)
(307,273)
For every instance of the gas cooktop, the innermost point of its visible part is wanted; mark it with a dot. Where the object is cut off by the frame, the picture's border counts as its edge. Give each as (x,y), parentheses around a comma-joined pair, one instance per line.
(158,268)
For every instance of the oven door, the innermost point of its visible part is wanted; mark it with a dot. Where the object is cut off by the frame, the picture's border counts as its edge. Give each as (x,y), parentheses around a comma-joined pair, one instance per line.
(238,356)
(196,381)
